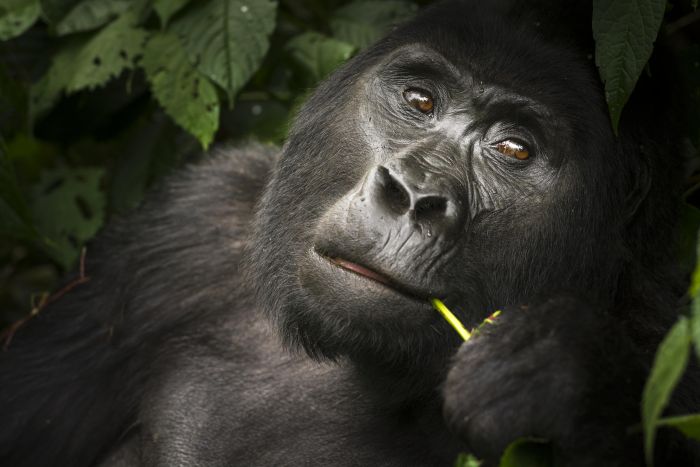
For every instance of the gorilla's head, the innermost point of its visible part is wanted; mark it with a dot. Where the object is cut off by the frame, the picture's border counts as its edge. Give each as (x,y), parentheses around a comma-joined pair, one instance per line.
(468,156)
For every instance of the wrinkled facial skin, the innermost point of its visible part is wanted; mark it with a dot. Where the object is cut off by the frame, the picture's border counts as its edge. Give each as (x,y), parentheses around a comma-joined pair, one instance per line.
(379,204)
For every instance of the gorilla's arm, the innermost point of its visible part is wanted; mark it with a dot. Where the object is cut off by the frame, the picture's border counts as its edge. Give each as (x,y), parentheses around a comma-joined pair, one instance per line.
(563,371)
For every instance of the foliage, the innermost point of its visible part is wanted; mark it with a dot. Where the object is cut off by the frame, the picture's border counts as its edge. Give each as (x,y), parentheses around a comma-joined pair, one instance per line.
(101,98)
(82,108)
(671,360)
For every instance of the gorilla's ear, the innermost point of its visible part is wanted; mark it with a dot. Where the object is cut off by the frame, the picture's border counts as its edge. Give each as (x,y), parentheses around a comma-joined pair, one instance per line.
(640,186)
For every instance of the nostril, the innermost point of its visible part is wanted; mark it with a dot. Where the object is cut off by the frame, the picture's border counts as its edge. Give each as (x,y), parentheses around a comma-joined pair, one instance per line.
(391,192)
(430,208)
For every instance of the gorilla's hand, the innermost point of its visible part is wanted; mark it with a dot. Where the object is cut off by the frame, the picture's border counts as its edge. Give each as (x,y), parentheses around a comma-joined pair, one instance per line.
(559,370)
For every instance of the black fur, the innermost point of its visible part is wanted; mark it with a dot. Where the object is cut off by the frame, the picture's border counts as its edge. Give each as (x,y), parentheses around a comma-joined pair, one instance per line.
(164,357)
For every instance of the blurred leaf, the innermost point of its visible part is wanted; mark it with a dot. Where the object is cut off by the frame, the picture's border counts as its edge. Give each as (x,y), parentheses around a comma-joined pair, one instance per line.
(318,55)
(363,23)
(167,8)
(15,218)
(45,93)
(624,32)
(227,40)
(16,16)
(669,364)
(467,460)
(86,64)
(151,148)
(91,14)
(13,102)
(189,98)
(527,452)
(54,10)
(29,157)
(695,325)
(689,425)
(68,206)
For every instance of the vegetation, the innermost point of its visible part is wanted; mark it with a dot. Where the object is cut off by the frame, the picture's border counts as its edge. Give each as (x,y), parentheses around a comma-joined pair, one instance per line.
(99,99)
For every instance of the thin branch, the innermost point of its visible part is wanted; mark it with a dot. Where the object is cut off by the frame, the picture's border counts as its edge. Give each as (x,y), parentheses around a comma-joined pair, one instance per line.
(8,333)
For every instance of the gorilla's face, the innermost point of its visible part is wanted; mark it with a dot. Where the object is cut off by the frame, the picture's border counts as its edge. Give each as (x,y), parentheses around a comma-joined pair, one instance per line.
(432,168)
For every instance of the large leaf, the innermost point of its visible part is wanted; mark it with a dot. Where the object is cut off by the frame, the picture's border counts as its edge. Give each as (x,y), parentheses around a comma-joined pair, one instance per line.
(624,32)
(167,8)
(91,14)
(362,23)
(227,39)
(89,63)
(68,207)
(689,425)
(16,16)
(669,364)
(189,98)
(318,55)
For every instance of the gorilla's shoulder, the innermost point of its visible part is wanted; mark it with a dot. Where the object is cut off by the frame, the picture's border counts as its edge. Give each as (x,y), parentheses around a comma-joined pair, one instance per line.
(231,170)
(199,203)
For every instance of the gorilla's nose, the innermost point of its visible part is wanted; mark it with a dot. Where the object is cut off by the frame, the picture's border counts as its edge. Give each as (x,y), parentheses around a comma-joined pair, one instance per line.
(407,194)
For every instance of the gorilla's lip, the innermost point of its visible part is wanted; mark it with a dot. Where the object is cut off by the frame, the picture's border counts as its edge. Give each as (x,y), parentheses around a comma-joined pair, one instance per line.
(374,276)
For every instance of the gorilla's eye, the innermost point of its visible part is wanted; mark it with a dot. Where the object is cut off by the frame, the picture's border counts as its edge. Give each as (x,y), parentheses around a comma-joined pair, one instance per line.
(513,149)
(419,99)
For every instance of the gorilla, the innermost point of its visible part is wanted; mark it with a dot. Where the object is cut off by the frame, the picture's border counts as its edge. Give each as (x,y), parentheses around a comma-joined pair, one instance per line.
(262,309)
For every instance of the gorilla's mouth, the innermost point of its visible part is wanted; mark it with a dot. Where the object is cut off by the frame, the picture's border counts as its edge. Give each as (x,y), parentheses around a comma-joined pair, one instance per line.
(361,270)
(372,275)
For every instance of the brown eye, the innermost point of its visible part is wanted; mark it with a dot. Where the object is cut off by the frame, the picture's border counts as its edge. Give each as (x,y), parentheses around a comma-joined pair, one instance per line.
(513,149)
(420,100)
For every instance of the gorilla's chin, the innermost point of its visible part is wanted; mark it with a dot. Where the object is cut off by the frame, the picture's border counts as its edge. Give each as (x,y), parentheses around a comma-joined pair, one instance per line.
(338,313)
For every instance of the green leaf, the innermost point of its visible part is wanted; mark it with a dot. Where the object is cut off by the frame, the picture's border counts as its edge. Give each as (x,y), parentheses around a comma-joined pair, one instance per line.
(227,39)
(91,14)
(694,293)
(16,16)
(624,32)
(689,425)
(189,98)
(527,452)
(318,55)
(68,206)
(467,460)
(89,63)
(167,8)
(363,23)
(669,364)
